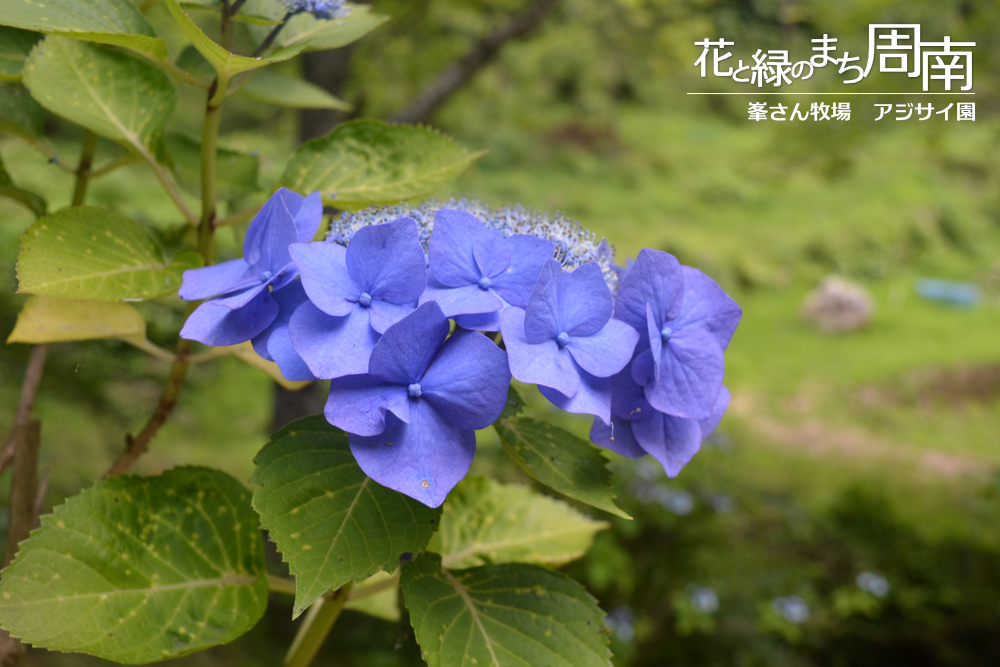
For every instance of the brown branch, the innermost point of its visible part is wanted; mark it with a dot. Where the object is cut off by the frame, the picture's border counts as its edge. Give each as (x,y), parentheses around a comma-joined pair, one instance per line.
(23,487)
(43,488)
(29,389)
(481,54)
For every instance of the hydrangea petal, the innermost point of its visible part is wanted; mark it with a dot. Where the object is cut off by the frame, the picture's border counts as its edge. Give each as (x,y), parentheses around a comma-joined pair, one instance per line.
(358,404)
(542,364)
(323,270)
(670,440)
(628,400)
(718,410)
(213,324)
(616,436)
(706,305)
(491,252)
(592,398)
(383,314)
(332,346)
(466,300)
(606,352)
(452,258)
(288,299)
(655,278)
(689,375)
(541,320)
(387,261)
(424,459)
(281,352)
(406,348)
(265,247)
(467,381)
(216,279)
(479,321)
(307,212)
(584,300)
(528,254)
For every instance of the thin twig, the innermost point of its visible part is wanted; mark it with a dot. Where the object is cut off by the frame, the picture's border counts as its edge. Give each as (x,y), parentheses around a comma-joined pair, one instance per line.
(150,348)
(266,44)
(42,147)
(83,171)
(239,217)
(29,390)
(109,167)
(23,486)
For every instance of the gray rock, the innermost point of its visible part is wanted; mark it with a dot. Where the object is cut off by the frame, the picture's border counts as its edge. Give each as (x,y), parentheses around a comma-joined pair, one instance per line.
(838,306)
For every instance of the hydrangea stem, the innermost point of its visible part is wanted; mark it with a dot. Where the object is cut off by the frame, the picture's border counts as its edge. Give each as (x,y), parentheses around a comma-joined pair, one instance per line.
(83,171)
(319,620)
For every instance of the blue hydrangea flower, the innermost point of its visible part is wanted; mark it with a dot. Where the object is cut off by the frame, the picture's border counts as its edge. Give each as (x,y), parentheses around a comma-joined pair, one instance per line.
(638,429)
(275,344)
(321,9)
(412,418)
(565,340)
(244,306)
(475,271)
(355,294)
(686,321)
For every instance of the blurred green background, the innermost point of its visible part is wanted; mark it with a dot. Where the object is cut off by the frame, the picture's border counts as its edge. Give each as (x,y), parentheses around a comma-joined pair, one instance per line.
(848,510)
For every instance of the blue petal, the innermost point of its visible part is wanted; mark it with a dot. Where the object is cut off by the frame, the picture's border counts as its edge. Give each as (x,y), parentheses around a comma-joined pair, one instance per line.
(707,306)
(653,336)
(265,247)
(237,300)
(528,254)
(428,451)
(467,381)
(655,278)
(288,299)
(542,364)
(216,279)
(585,303)
(291,365)
(358,404)
(541,318)
(387,261)
(307,213)
(617,437)
(480,321)
(406,348)
(332,346)
(215,325)
(688,377)
(452,248)
(628,400)
(323,269)
(721,405)
(467,300)
(670,440)
(383,314)
(491,252)
(592,398)
(606,352)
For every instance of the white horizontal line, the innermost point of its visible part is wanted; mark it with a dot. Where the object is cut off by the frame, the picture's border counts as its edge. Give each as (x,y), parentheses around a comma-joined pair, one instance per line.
(831,93)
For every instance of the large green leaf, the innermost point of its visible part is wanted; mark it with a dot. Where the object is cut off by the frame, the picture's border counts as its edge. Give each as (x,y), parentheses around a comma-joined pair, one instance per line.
(559,460)
(276,88)
(236,173)
(15,45)
(513,615)
(45,319)
(117,22)
(485,522)
(318,34)
(19,113)
(226,64)
(97,254)
(366,162)
(331,522)
(33,201)
(111,93)
(140,569)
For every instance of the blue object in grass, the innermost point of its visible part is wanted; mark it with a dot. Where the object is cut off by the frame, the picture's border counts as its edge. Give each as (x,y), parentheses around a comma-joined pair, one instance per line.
(965,295)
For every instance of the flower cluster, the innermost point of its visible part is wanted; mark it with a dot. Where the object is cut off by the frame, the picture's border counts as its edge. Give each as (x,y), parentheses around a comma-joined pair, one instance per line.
(321,9)
(371,310)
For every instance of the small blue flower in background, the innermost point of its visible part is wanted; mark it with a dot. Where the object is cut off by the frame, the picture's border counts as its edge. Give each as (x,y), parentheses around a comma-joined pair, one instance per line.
(321,9)
(355,294)
(792,608)
(875,584)
(412,418)
(244,305)
(686,321)
(565,340)
(475,271)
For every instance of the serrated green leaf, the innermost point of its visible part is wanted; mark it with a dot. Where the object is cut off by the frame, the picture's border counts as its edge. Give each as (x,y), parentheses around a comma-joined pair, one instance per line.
(331,522)
(559,460)
(503,616)
(317,34)
(485,522)
(366,162)
(276,88)
(45,319)
(226,64)
(15,45)
(236,173)
(31,200)
(96,254)
(19,113)
(140,569)
(514,406)
(116,22)
(111,93)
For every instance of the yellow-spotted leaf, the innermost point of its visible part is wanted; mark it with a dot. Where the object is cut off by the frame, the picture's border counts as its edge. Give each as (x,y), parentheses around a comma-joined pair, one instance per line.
(45,319)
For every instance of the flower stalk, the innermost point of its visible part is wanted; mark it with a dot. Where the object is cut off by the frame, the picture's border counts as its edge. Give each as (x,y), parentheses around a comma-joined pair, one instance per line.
(319,620)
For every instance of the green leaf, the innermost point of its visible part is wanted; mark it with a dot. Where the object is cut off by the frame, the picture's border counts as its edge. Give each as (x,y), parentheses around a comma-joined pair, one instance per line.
(485,522)
(559,460)
(140,569)
(116,22)
(226,64)
(236,172)
(19,113)
(7,189)
(15,45)
(382,604)
(276,88)
(97,254)
(503,616)
(331,522)
(515,404)
(111,93)
(366,162)
(316,34)
(45,319)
